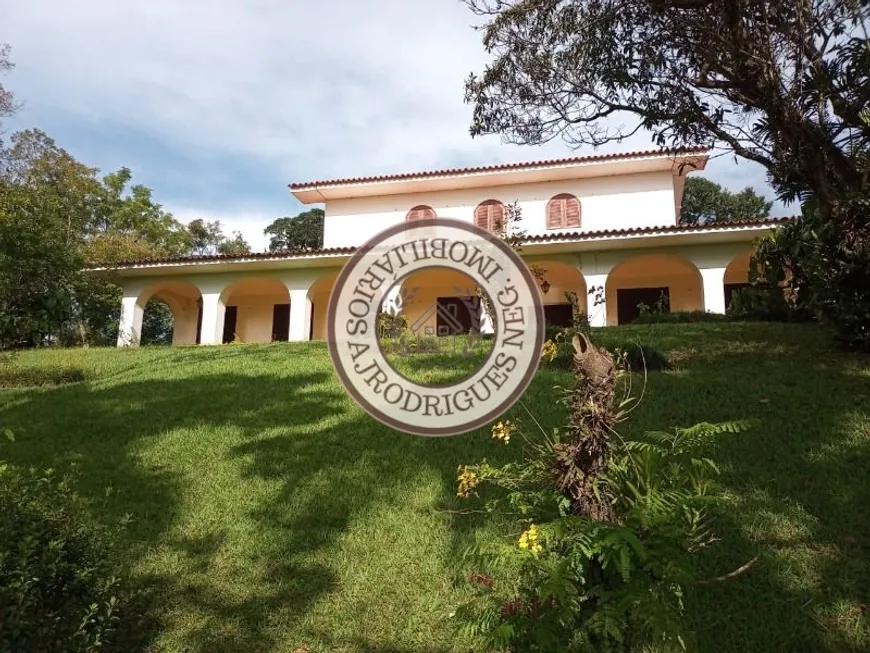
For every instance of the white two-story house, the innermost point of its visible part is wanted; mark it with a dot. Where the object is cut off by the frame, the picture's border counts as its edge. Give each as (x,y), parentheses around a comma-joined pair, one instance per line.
(604,227)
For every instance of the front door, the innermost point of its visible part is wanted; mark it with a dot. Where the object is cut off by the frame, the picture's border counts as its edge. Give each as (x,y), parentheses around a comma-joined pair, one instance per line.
(453,316)
(730,289)
(628,301)
(231,315)
(280,322)
(559,315)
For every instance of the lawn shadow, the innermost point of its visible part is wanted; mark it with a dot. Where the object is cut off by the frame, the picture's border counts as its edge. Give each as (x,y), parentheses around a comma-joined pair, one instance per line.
(104,449)
(795,495)
(796,498)
(325,463)
(307,466)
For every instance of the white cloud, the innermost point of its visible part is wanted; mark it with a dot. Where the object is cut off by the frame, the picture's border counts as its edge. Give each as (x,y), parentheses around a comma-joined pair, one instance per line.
(297,90)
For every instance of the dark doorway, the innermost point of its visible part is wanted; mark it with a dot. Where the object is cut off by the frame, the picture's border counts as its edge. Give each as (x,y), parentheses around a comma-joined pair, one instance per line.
(280,322)
(730,288)
(629,299)
(453,316)
(231,316)
(559,315)
(198,321)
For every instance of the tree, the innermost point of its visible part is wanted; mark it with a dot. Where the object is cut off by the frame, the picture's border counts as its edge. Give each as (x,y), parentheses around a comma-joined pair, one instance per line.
(235,246)
(305,231)
(8,105)
(783,83)
(207,238)
(46,198)
(127,225)
(707,201)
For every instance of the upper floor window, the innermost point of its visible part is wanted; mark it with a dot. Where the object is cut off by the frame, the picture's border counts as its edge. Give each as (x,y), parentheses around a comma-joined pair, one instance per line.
(490,215)
(563,212)
(420,212)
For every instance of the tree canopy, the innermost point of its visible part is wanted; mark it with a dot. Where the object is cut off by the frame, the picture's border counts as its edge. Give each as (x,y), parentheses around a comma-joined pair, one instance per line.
(58,217)
(7,99)
(705,201)
(780,82)
(206,238)
(304,231)
(783,83)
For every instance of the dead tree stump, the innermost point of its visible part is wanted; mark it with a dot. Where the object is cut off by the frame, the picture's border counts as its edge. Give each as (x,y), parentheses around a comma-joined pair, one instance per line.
(581,458)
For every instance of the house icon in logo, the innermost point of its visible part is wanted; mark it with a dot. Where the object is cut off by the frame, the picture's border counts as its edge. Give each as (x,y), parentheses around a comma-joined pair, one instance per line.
(446,317)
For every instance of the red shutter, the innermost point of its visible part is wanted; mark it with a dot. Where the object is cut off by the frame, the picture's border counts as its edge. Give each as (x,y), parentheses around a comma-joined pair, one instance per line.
(555,213)
(489,215)
(420,212)
(563,211)
(497,217)
(572,212)
(481,216)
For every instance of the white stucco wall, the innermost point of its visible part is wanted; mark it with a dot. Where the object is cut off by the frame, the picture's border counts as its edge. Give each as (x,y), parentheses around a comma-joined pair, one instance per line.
(614,202)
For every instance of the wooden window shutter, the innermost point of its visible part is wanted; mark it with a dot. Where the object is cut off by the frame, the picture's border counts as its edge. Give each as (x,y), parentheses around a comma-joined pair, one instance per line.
(490,215)
(563,212)
(420,212)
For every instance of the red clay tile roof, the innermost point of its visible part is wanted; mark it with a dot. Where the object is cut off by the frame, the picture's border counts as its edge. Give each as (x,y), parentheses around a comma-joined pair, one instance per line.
(594,158)
(642,231)
(542,238)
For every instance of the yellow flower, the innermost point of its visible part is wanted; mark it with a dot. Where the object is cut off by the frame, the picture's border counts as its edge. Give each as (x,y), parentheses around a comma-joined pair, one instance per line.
(503,430)
(549,351)
(468,480)
(529,540)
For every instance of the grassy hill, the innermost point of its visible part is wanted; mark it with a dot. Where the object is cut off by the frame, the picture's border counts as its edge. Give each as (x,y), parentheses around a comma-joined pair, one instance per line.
(270,513)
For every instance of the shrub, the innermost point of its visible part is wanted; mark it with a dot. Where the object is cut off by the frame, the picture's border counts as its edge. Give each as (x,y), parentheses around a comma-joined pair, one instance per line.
(58,590)
(391,326)
(630,356)
(634,357)
(604,528)
(823,260)
(678,317)
(23,377)
(761,303)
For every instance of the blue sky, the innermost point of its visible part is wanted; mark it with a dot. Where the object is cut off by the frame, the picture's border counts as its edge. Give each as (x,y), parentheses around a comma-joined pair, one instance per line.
(218,105)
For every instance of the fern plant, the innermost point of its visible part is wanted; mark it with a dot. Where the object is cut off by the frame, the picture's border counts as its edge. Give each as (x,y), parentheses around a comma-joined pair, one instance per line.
(568,579)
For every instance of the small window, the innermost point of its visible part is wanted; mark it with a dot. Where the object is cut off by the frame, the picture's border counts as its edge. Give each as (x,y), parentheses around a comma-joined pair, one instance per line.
(563,212)
(490,215)
(420,212)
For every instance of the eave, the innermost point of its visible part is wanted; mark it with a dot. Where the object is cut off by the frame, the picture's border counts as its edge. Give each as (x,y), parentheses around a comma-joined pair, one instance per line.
(678,161)
(560,241)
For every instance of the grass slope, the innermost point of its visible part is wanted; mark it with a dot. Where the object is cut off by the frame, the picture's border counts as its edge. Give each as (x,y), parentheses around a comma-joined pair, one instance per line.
(269,513)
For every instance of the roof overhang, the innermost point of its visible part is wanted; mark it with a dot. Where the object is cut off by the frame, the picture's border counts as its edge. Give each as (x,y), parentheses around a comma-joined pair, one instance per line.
(641,238)
(678,162)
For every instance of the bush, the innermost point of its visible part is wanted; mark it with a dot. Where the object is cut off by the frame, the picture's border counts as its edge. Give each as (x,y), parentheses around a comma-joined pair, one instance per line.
(24,377)
(58,591)
(630,356)
(823,260)
(634,357)
(678,317)
(391,326)
(760,303)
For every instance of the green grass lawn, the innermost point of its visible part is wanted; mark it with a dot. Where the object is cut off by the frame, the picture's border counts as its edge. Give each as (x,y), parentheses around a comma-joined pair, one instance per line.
(269,513)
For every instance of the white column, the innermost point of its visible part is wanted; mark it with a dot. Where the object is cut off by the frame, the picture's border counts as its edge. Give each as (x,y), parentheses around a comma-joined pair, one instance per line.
(596,299)
(300,315)
(391,303)
(486,323)
(130,327)
(213,310)
(714,289)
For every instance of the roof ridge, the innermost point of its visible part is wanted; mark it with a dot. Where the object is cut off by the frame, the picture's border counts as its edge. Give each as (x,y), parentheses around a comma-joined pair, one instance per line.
(498,167)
